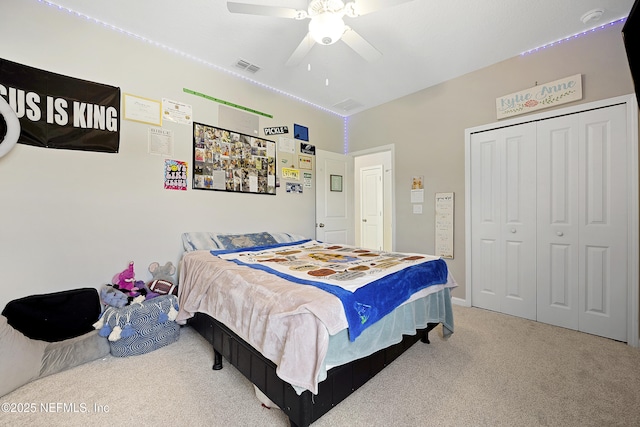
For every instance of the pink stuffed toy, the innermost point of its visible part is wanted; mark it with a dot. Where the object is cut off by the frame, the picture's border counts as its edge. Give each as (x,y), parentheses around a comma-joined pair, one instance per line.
(126,281)
(134,290)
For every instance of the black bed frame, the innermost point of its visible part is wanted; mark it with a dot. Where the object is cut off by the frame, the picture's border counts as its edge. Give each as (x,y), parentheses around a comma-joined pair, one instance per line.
(305,408)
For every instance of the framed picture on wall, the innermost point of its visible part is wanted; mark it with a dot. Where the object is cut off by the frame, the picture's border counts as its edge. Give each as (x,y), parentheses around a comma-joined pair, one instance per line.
(336,182)
(225,160)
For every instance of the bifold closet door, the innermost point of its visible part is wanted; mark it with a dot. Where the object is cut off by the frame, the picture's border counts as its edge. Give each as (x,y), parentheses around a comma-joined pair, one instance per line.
(582,222)
(503,220)
(558,230)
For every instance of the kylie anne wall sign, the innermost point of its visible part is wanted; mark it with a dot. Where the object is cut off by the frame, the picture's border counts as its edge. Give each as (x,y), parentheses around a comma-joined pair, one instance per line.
(540,96)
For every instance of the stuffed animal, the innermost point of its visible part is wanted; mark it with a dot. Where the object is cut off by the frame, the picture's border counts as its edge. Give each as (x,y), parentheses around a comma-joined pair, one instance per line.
(126,290)
(113,297)
(162,272)
(126,282)
(162,281)
(126,279)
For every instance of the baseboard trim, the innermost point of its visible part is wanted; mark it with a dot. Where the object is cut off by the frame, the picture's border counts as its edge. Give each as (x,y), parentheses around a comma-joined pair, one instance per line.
(460,301)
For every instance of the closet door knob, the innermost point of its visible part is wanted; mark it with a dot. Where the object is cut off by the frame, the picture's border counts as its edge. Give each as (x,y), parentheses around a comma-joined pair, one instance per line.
(513,230)
(560,233)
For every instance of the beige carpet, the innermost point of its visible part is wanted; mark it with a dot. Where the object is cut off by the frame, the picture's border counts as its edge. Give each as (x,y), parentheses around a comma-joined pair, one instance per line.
(495,370)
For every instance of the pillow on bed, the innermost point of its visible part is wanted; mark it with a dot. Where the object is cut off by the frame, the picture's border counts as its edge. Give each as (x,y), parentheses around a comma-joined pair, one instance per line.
(205,240)
(238,241)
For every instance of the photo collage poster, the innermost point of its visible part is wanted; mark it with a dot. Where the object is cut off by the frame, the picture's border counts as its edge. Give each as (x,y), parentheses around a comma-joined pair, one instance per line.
(231,161)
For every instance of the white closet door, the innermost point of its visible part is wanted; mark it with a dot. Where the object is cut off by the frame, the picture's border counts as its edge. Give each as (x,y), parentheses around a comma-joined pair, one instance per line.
(582,222)
(558,231)
(603,222)
(487,264)
(503,199)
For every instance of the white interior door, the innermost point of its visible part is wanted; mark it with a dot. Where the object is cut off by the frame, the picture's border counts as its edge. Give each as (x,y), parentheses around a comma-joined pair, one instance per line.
(371,208)
(603,222)
(558,230)
(582,222)
(519,221)
(503,220)
(334,209)
(486,258)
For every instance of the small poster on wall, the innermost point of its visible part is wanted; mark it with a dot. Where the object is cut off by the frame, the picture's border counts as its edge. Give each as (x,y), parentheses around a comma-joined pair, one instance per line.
(306,148)
(160,141)
(175,175)
(308,179)
(142,110)
(305,162)
(300,132)
(177,112)
(444,225)
(289,173)
(294,187)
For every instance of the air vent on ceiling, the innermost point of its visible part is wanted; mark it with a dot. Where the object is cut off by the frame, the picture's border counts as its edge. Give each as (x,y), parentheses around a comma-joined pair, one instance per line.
(247,66)
(348,104)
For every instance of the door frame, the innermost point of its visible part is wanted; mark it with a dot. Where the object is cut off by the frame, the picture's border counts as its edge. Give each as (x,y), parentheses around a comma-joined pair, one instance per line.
(388,180)
(633,256)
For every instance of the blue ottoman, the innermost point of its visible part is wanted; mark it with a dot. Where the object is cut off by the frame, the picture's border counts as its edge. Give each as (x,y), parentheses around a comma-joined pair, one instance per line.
(143,327)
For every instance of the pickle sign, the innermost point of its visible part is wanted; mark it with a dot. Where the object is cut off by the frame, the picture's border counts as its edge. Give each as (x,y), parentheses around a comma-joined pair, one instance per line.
(277,130)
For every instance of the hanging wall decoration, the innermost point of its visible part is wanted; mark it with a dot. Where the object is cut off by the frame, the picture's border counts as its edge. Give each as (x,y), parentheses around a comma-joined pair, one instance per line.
(444,203)
(175,175)
(231,161)
(541,96)
(57,111)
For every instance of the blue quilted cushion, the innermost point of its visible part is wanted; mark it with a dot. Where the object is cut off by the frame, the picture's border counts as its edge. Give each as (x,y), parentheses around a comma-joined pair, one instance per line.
(144,327)
(146,340)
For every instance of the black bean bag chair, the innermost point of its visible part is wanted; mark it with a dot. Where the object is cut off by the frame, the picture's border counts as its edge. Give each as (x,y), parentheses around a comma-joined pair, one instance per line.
(41,335)
(56,316)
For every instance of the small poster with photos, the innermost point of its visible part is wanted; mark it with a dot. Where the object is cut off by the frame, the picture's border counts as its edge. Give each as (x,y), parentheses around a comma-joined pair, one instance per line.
(231,161)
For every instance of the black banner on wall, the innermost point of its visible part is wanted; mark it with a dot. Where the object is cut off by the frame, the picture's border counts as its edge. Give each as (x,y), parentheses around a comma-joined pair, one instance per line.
(57,111)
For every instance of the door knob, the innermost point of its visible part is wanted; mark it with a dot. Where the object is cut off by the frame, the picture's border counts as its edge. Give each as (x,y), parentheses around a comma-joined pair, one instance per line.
(364,220)
(321,225)
(560,233)
(513,230)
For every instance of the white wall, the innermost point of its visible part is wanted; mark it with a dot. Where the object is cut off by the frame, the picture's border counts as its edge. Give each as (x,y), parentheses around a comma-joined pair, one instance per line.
(427,127)
(72,219)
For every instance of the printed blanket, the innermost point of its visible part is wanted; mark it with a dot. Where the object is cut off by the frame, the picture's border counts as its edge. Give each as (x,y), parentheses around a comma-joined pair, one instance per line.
(370,284)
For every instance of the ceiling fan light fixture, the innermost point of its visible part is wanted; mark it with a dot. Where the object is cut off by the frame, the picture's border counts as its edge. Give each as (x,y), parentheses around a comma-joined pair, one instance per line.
(326,28)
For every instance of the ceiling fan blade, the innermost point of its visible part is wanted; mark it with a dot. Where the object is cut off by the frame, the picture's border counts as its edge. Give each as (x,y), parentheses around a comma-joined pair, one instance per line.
(362,7)
(301,51)
(256,9)
(360,45)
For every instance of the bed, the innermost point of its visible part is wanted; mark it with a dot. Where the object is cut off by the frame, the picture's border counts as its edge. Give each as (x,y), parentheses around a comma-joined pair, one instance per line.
(307,322)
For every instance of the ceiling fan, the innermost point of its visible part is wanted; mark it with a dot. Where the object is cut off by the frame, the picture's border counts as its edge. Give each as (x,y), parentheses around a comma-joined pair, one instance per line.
(326,26)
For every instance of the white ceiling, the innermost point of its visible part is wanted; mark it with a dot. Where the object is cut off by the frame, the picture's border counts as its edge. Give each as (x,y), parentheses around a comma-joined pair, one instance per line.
(423,42)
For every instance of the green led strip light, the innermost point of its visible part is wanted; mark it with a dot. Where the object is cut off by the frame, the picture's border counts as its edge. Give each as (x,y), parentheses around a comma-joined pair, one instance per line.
(230,104)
